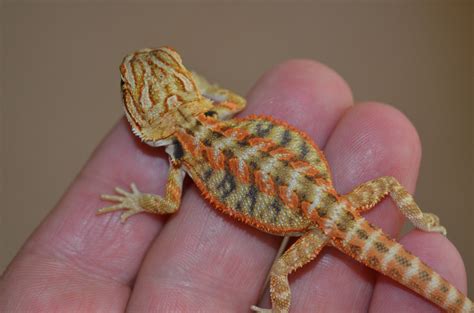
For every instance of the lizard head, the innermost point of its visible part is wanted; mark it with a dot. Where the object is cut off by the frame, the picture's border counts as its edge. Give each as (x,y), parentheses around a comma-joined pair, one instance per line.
(159,93)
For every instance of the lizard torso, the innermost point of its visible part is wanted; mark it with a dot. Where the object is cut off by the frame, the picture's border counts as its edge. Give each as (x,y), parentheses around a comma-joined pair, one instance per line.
(264,173)
(257,170)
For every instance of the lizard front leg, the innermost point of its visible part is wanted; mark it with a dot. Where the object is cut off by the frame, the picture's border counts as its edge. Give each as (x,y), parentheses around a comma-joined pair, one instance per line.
(305,249)
(367,195)
(135,202)
(226,102)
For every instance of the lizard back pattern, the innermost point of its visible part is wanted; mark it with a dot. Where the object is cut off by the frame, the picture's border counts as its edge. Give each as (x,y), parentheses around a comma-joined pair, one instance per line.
(267,174)
(257,170)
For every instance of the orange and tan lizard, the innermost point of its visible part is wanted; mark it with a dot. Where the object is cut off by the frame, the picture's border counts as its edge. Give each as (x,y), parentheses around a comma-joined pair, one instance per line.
(265,173)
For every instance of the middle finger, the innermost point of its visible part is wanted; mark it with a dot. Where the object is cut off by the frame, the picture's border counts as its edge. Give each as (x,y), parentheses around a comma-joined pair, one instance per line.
(203,261)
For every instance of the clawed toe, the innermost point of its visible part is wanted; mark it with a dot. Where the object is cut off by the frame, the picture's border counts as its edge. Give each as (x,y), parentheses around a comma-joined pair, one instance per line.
(255,308)
(434,224)
(128,201)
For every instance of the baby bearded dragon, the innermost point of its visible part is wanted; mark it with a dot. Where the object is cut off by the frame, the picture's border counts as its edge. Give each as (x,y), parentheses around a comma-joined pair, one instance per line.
(264,173)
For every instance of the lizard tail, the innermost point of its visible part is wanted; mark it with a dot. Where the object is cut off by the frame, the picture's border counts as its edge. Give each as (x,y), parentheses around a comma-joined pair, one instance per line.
(370,246)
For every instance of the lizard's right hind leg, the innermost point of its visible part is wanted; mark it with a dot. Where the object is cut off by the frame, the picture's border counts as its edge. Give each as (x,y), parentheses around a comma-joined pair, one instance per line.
(305,249)
(367,195)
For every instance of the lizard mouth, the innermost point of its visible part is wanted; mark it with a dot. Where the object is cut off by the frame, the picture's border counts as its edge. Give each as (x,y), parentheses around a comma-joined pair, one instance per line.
(159,143)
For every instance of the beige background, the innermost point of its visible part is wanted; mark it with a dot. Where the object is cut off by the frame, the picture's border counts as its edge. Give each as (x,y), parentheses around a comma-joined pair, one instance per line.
(60,83)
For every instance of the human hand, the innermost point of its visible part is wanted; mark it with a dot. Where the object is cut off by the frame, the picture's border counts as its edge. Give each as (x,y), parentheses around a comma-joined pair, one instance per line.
(201,261)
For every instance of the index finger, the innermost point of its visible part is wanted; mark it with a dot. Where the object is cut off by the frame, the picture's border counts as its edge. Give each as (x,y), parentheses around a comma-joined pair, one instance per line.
(75,252)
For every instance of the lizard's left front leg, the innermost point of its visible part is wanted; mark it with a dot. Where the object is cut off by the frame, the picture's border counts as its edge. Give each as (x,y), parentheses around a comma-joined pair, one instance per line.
(135,202)
(305,249)
(226,103)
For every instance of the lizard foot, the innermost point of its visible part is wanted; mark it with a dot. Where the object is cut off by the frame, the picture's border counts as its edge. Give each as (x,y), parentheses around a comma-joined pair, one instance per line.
(255,308)
(433,224)
(128,201)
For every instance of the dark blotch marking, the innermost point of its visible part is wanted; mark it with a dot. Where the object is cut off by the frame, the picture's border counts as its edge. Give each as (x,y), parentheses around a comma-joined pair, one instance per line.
(424,276)
(402,260)
(347,221)
(437,299)
(348,218)
(238,207)
(362,234)
(216,135)
(243,143)
(276,209)
(372,226)
(178,151)
(264,155)
(328,200)
(341,226)
(210,113)
(444,288)
(286,138)
(207,142)
(414,285)
(207,174)
(252,195)
(228,154)
(263,129)
(380,247)
(278,180)
(355,250)
(322,212)
(395,274)
(304,150)
(373,262)
(309,178)
(227,185)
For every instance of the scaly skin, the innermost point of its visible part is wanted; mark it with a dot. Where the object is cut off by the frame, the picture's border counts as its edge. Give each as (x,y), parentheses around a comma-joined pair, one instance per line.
(264,173)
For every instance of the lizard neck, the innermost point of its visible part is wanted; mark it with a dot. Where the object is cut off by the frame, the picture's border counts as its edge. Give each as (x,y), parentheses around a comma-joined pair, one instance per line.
(195,134)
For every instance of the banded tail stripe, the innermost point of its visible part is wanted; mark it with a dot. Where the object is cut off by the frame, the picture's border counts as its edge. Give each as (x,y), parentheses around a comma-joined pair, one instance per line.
(413,269)
(369,243)
(353,231)
(452,296)
(433,284)
(334,214)
(392,251)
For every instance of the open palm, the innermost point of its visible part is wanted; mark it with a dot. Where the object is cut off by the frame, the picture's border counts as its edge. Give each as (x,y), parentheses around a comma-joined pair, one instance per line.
(201,261)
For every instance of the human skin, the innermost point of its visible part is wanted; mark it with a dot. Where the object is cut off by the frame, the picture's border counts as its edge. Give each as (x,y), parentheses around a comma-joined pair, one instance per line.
(199,260)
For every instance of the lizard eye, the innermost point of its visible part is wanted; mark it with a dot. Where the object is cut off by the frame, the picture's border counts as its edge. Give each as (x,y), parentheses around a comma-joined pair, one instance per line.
(122,83)
(210,113)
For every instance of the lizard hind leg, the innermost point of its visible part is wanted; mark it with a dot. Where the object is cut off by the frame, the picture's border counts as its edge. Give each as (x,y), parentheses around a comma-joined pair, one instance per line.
(305,249)
(283,245)
(367,195)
